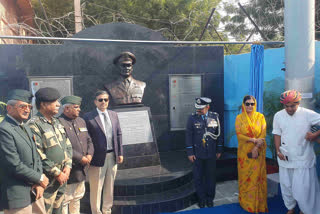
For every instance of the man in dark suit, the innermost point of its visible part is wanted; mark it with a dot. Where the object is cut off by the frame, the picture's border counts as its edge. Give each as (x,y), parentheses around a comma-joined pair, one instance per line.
(104,129)
(82,152)
(23,182)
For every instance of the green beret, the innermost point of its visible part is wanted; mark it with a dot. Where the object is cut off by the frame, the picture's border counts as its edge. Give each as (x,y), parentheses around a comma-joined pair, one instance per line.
(19,94)
(71,100)
(47,94)
(125,57)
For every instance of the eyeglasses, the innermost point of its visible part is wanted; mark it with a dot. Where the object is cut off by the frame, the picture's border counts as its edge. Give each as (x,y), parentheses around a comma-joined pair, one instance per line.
(25,107)
(249,104)
(105,100)
(126,65)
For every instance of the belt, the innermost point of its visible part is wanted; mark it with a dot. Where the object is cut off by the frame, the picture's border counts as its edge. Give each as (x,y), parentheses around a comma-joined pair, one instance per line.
(108,151)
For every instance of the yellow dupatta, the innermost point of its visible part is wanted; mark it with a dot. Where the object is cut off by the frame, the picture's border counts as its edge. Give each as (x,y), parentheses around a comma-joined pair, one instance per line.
(253,130)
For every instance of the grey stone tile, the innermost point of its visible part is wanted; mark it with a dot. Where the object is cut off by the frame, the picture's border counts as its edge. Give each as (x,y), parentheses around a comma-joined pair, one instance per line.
(221,202)
(226,193)
(218,195)
(234,199)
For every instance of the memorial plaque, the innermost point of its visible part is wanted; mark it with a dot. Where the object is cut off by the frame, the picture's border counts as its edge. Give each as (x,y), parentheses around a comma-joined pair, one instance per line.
(135,127)
(63,84)
(183,89)
(138,137)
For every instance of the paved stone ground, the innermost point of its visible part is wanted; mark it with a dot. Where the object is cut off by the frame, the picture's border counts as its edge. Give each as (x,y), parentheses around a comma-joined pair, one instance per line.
(226,193)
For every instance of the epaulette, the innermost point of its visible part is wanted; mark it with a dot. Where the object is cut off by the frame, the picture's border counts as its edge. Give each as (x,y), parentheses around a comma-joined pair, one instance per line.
(33,120)
(213,113)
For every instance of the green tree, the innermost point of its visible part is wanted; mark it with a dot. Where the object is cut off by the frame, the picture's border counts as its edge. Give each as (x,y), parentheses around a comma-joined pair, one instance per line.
(60,17)
(267,14)
(175,19)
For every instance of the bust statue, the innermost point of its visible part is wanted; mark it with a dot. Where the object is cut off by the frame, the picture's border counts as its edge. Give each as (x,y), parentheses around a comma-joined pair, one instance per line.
(126,89)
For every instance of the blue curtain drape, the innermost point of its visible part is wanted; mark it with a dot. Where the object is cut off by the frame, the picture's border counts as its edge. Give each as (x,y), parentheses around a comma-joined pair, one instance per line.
(256,75)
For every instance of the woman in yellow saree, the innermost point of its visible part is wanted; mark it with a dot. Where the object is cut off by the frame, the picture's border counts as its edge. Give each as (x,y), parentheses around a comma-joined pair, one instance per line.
(252,174)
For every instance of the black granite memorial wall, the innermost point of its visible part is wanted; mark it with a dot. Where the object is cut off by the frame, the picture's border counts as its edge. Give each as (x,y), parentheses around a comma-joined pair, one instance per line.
(90,65)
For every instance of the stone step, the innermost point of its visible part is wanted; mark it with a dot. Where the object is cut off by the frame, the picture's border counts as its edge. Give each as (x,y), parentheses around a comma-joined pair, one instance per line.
(167,201)
(148,180)
(164,188)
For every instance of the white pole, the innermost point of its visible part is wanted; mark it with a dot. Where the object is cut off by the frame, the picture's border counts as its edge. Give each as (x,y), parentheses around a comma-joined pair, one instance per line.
(77,16)
(299,25)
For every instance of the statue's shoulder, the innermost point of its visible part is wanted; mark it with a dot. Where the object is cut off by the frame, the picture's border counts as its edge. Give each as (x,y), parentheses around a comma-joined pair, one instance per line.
(140,83)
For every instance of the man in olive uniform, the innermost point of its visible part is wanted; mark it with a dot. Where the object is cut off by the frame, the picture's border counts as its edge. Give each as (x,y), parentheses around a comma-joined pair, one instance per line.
(126,89)
(82,149)
(22,180)
(203,148)
(53,146)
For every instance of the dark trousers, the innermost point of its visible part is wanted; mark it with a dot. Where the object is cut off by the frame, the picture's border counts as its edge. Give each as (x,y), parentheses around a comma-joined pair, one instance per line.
(205,178)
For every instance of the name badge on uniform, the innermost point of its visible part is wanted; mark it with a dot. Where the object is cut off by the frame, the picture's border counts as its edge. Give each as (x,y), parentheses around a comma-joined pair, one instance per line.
(83,129)
(212,123)
(197,125)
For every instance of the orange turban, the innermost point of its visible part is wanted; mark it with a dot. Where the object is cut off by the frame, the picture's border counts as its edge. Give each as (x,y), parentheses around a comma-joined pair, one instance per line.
(290,96)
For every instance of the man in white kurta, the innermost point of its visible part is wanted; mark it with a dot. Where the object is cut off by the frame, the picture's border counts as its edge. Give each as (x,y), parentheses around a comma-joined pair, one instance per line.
(298,178)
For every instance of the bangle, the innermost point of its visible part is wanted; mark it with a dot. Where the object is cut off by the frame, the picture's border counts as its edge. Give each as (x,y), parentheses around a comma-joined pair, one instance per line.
(278,153)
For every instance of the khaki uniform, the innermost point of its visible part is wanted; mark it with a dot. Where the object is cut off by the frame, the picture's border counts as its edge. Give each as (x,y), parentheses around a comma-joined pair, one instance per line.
(55,151)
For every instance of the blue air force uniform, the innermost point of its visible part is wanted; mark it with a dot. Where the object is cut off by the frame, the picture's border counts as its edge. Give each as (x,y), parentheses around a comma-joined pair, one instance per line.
(204,148)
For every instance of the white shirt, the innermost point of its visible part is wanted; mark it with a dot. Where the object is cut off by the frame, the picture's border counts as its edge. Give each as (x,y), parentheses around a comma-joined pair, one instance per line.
(293,130)
(108,132)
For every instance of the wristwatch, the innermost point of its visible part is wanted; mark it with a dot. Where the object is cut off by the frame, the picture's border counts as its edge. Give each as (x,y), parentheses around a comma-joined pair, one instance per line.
(278,153)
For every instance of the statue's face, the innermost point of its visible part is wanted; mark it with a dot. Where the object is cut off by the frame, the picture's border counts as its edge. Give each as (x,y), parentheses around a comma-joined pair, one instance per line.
(125,68)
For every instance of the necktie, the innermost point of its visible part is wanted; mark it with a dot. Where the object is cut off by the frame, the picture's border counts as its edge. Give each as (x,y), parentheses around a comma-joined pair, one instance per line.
(107,126)
(106,122)
(127,83)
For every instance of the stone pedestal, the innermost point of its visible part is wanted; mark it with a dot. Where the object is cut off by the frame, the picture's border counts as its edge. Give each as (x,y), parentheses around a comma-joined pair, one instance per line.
(138,137)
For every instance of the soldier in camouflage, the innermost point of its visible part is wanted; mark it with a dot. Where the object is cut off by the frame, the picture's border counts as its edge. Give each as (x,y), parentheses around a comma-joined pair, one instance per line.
(53,146)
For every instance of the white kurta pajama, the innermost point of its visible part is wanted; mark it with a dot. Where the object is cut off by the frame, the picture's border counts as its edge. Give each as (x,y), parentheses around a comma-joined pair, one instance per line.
(298,177)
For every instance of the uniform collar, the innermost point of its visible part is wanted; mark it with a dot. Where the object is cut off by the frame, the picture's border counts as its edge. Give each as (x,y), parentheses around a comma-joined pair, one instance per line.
(204,116)
(129,79)
(14,120)
(67,118)
(44,119)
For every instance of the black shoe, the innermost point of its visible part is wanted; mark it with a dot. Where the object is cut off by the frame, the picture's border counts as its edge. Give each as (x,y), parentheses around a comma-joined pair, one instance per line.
(202,204)
(209,203)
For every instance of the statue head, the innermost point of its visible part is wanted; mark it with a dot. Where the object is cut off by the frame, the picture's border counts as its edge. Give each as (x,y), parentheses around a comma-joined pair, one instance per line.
(124,63)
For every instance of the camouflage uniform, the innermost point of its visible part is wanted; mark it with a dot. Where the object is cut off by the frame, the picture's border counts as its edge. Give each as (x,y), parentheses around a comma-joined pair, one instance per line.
(55,151)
